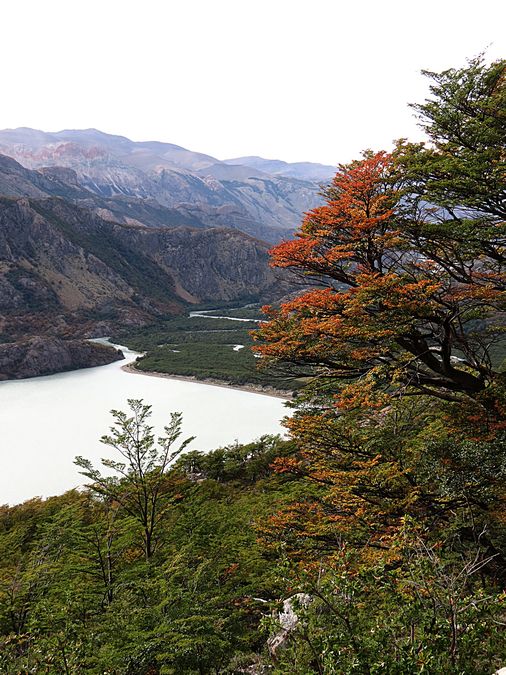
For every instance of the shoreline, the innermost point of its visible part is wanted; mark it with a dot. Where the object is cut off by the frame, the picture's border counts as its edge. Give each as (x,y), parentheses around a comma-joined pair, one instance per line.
(250,388)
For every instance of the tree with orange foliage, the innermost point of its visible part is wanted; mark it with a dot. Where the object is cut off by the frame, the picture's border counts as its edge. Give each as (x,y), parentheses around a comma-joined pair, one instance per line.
(403,301)
(388,314)
(390,317)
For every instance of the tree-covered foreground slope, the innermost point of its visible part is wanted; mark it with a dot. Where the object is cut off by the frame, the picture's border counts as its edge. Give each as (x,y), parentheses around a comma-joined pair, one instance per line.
(380,527)
(159,572)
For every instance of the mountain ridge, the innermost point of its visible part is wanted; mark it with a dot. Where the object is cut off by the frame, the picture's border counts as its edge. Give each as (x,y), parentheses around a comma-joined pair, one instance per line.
(262,204)
(311,171)
(105,232)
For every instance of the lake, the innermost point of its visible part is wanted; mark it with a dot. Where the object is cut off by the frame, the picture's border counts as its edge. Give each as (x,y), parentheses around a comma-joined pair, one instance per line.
(46,421)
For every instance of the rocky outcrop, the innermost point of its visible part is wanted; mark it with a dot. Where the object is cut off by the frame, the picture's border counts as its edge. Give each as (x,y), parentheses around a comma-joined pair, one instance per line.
(211,264)
(288,620)
(45,356)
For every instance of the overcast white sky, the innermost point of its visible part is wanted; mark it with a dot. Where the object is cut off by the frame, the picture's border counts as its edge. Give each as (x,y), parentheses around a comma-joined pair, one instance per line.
(315,80)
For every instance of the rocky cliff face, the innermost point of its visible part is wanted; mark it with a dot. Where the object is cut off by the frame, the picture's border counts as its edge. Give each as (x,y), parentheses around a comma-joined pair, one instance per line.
(65,271)
(56,181)
(45,355)
(206,265)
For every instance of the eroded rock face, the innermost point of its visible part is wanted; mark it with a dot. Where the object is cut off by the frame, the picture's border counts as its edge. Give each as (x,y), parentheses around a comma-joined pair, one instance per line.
(61,264)
(46,355)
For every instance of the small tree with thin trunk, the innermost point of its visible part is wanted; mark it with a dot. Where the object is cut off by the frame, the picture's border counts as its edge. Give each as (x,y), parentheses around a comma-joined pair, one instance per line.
(138,480)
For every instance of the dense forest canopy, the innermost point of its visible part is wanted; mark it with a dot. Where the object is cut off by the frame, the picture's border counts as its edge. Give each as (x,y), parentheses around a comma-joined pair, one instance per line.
(382,521)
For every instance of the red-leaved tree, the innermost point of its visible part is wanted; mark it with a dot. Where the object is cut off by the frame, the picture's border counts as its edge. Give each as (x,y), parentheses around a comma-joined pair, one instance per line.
(397,305)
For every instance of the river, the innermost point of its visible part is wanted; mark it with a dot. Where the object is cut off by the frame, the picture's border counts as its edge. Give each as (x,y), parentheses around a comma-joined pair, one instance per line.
(46,421)
(204,314)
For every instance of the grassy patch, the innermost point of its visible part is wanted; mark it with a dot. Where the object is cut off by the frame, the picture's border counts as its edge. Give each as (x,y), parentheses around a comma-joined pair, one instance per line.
(201,359)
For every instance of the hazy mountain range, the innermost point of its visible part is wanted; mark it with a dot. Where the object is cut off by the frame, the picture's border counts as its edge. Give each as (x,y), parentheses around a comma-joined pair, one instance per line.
(265,198)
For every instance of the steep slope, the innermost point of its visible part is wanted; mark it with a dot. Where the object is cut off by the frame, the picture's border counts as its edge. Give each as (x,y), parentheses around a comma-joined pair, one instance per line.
(66,271)
(17,181)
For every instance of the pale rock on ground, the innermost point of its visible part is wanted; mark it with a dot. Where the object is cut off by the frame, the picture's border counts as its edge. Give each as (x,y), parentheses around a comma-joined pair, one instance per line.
(288,620)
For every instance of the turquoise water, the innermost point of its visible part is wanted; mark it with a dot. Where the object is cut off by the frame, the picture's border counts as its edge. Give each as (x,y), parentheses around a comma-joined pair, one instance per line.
(46,421)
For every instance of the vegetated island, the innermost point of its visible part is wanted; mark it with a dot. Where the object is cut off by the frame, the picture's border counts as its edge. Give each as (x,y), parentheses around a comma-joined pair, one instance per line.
(208,349)
(265,390)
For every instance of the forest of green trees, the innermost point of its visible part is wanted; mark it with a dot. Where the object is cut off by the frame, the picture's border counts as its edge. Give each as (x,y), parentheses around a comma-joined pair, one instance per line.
(382,520)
